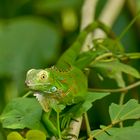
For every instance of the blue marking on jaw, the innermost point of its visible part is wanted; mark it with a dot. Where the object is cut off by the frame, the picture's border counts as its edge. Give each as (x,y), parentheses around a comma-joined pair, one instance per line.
(53,89)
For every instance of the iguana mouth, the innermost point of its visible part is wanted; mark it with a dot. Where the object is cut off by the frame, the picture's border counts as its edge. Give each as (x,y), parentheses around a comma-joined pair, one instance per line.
(29,84)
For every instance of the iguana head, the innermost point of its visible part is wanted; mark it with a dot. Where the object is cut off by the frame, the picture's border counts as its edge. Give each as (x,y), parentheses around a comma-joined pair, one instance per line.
(44,81)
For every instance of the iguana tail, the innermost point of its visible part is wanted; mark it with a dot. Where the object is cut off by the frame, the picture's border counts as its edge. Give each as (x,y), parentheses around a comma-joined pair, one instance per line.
(69,57)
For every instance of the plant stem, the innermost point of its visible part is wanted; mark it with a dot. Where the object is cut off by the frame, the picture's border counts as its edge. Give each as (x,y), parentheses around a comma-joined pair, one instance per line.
(122,98)
(87,125)
(105,129)
(102,130)
(27,94)
(129,87)
(121,101)
(128,26)
(102,56)
(58,126)
(135,55)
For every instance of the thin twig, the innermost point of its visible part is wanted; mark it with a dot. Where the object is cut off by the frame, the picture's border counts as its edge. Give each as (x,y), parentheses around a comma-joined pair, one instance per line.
(121,102)
(105,128)
(128,26)
(87,125)
(129,87)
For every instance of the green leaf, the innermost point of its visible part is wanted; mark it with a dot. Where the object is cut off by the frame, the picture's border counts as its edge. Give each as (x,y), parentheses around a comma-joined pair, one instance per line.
(125,133)
(118,113)
(130,110)
(90,98)
(114,69)
(22,113)
(93,96)
(82,107)
(110,68)
(35,135)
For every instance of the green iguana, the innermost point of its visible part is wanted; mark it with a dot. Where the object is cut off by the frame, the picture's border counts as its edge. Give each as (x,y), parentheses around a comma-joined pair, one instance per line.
(65,83)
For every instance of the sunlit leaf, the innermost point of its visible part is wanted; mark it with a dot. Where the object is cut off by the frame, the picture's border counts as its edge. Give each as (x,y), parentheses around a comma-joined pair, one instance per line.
(35,135)
(14,136)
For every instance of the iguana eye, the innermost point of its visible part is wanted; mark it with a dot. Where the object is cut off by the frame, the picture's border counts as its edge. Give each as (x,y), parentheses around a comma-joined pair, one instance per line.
(43,75)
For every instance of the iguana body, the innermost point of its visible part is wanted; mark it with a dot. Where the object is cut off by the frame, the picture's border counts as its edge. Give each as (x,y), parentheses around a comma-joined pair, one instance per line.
(60,86)
(64,83)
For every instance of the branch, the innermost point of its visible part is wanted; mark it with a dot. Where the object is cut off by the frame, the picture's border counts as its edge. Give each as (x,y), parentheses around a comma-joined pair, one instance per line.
(124,89)
(109,14)
(88,12)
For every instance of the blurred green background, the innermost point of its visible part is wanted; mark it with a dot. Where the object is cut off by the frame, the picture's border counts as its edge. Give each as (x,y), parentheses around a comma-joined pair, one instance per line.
(34,33)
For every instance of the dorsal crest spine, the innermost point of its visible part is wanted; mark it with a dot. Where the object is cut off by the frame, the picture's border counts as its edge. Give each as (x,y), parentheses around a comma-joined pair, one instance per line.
(69,68)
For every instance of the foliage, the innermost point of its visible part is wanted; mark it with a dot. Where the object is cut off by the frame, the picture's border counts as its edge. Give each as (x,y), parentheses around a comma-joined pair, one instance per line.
(33,34)
(30,135)
(21,113)
(130,110)
(125,133)
(119,113)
